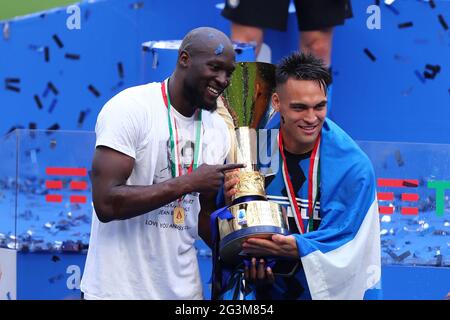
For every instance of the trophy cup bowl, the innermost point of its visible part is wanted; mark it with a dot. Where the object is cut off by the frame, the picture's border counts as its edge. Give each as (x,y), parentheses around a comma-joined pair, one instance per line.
(247,101)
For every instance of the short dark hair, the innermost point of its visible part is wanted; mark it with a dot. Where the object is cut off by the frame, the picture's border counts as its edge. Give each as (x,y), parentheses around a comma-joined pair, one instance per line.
(303,66)
(266,72)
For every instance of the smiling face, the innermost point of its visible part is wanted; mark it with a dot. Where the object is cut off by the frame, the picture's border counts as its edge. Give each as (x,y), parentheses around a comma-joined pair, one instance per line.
(303,107)
(209,73)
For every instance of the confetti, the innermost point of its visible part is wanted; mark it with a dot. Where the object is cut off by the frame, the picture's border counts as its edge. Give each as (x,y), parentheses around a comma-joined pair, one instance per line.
(409,184)
(12,80)
(94,90)
(9,81)
(58,41)
(32,126)
(52,87)
(72,56)
(369,54)
(52,128)
(120,69)
(435,69)
(38,101)
(419,75)
(14,128)
(442,21)
(47,54)
(405,25)
(52,105)
(81,118)
(11,88)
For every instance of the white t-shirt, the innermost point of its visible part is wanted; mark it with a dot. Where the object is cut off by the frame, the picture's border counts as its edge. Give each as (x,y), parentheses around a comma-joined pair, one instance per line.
(148,256)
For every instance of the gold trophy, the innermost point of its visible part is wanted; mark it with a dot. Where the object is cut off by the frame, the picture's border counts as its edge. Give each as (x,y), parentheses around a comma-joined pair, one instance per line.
(245,106)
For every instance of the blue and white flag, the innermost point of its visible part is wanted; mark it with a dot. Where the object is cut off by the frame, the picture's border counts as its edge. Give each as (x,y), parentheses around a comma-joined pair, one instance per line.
(341,259)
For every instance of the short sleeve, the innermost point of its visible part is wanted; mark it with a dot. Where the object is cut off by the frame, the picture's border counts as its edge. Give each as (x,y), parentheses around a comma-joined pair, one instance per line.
(122,125)
(221,139)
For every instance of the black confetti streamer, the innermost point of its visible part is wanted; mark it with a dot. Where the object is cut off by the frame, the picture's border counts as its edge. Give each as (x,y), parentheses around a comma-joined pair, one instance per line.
(12,80)
(33,126)
(9,81)
(38,101)
(405,25)
(94,90)
(58,41)
(377,2)
(120,69)
(14,128)
(52,87)
(11,88)
(369,54)
(46,91)
(55,259)
(442,21)
(428,75)
(81,118)
(432,4)
(72,56)
(51,128)
(409,184)
(52,105)
(419,75)
(47,54)
(435,69)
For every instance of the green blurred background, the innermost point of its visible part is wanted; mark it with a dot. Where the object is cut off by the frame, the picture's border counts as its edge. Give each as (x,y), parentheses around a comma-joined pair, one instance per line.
(13,8)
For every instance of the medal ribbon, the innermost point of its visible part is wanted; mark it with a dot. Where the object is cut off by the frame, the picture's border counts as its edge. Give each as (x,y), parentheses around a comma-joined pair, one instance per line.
(313,184)
(176,168)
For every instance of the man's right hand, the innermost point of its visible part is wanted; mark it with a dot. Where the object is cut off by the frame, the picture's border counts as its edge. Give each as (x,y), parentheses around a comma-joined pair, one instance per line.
(208,178)
(229,185)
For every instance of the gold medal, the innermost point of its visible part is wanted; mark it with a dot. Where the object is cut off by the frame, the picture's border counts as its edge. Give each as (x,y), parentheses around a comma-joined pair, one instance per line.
(178,215)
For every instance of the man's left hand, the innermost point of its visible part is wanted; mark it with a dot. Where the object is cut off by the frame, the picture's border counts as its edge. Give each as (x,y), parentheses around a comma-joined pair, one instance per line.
(278,245)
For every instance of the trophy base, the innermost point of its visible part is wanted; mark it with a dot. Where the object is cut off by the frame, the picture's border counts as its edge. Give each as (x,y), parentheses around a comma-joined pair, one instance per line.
(231,245)
(250,219)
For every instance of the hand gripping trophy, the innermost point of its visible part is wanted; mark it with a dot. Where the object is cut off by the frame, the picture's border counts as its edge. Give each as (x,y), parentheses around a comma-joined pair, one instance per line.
(245,106)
